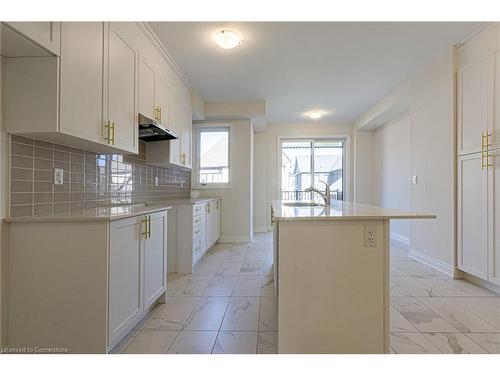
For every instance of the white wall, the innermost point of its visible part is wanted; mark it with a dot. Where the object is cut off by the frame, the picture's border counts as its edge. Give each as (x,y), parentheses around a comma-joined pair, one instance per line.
(236,213)
(431,156)
(432,144)
(266,162)
(391,166)
(363,167)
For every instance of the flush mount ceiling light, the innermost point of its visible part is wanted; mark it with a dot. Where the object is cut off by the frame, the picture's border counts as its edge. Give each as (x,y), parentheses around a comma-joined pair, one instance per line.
(315,115)
(227,38)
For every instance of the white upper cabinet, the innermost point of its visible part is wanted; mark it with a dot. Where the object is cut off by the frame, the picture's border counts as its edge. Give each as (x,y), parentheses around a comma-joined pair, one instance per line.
(175,124)
(186,135)
(45,34)
(146,89)
(162,101)
(81,77)
(121,100)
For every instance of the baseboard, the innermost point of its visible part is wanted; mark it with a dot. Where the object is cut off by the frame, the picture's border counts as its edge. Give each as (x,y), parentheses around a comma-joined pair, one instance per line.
(483,283)
(438,265)
(260,229)
(231,238)
(401,238)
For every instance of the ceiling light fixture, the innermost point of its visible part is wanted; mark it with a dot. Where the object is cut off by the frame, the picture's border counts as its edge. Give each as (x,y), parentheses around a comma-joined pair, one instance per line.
(315,115)
(227,38)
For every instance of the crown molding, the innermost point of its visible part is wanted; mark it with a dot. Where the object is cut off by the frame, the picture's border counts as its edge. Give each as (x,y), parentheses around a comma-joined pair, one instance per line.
(151,35)
(467,36)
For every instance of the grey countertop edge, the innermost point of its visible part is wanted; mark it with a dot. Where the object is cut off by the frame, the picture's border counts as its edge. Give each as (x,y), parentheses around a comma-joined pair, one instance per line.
(83,218)
(365,217)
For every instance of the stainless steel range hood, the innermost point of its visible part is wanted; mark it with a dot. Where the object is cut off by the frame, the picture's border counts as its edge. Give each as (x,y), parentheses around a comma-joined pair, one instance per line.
(151,131)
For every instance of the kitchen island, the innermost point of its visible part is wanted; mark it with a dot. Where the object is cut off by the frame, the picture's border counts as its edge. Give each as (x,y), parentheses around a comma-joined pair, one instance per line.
(331,267)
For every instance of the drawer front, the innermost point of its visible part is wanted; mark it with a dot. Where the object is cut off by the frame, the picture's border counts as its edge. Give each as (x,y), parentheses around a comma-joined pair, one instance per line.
(197,209)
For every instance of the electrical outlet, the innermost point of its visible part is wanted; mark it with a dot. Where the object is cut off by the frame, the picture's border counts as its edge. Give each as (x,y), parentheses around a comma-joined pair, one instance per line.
(370,236)
(156,181)
(58,176)
(415,179)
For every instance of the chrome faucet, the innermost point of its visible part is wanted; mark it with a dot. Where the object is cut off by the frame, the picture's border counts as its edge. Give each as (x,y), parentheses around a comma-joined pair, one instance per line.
(326,195)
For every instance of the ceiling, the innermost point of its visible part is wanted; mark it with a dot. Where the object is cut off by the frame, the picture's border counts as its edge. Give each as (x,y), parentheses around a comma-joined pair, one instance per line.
(340,68)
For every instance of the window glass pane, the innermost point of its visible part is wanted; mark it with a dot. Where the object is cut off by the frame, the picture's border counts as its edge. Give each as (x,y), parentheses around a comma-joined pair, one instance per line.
(214,156)
(328,162)
(295,169)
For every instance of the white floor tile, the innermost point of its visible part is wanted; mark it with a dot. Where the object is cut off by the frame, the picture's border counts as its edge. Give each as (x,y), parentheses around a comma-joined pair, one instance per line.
(207,315)
(221,286)
(173,314)
(248,287)
(267,343)
(242,314)
(193,342)
(411,343)
(236,343)
(454,343)
(151,342)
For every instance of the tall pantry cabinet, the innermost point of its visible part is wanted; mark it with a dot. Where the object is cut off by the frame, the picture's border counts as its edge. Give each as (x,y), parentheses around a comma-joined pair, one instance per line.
(478,153)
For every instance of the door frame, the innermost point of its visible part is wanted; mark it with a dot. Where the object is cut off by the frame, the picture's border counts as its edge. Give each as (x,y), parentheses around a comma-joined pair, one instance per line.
(346,162)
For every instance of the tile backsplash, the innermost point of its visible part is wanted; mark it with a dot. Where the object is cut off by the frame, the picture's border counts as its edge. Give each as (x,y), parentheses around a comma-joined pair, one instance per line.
(90,180)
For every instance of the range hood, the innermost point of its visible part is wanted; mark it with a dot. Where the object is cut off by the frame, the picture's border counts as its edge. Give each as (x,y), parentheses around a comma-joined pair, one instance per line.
(151,131)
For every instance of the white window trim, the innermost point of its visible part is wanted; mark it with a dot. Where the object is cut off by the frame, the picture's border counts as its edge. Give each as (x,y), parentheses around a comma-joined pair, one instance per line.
(195,180)
(347,159)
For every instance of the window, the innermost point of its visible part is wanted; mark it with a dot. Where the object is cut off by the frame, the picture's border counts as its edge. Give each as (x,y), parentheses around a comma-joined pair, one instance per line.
(312,163)
(212,167)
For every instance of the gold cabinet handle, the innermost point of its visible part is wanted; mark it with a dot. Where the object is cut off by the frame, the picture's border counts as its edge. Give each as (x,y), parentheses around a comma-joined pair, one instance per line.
(485,160)
(112,133)
(145,222)
(159,107)
(107,129)
(272,215)
(485,141)
(183,158)
(149,226)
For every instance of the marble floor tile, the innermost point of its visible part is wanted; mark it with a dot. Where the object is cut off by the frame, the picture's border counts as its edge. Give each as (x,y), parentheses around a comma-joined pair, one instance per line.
(267,343)
(187,285)
(489,341)
(242,314)
(454,343)
(411,343)
(144,321)
(487,309)
(251,268)
(263,237)
(412,268)
(414,286)
(236,343)
(173,314)
(398,323)
(396,272)
(422,317)
(459,317)
(151,342)
(268,314)
(397,291)
(447,287)
(267,288)
(193,342)
(248,287)
(229,268)
(207,315)
(221,286)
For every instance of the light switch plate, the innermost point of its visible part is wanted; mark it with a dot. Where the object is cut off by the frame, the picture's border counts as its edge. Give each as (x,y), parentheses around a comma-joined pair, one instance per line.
(58,176)
(415,179)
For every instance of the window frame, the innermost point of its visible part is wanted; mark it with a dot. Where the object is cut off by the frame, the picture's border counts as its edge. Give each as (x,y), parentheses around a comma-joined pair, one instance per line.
(198,129)
(346,138)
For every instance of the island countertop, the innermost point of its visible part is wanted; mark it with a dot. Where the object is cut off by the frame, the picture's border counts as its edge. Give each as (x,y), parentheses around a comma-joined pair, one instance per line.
(340,210)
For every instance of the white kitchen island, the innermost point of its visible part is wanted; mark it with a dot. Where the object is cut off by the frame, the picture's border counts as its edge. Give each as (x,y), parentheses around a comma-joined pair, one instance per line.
(331,269)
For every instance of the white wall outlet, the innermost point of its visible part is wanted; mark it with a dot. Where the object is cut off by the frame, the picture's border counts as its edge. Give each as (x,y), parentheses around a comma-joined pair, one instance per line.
(370,236)
(58,176)
(156,181)
(415,179)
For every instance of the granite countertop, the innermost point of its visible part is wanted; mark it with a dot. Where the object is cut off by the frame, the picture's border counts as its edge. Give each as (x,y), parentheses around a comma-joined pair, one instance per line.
(186,201)
(95,214)
(341,210)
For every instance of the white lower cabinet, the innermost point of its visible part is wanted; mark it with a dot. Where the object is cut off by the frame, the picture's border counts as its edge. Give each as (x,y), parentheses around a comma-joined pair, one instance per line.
(193,229)
(83,284)
(478,210)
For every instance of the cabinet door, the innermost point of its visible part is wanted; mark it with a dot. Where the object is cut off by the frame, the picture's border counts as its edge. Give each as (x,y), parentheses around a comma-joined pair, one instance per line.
(186,135)
(81,77)
(494,217)
(472,215)
(162,101)
(122,94)
(217,219)
(472,113)
(45,34)
(155,258)
(125,285)
(210,224)
(175,122)
(494,139)
(146,89)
